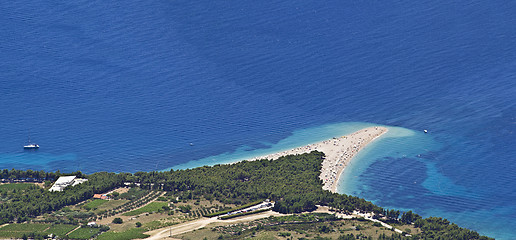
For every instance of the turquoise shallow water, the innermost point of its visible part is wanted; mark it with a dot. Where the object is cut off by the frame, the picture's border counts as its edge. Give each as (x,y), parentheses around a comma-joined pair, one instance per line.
(398,170)
(396,143)
(297,139)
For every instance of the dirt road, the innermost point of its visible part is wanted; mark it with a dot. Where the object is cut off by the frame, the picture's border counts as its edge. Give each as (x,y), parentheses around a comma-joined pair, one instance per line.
(165,233)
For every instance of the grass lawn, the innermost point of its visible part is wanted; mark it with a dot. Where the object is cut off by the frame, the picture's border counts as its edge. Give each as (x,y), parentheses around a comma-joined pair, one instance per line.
(17,230)
(94,204)
(151,207)
(83,233)
(133,233)
(60,229)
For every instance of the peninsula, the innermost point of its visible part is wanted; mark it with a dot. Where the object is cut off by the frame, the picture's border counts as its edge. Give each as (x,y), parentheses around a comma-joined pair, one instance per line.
(292,196)
(338,153)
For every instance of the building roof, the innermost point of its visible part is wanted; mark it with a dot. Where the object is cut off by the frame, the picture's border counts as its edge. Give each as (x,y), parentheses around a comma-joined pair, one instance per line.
(78,181)
(65,180)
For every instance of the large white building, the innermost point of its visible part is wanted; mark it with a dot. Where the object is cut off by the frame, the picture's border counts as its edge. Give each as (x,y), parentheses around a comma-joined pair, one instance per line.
(66,181)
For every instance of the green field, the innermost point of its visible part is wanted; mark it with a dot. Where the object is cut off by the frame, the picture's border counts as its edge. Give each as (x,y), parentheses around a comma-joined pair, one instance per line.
(94,204)
(25,227)
(151,207)
(12,234)
(112,204)
(18,230)
(83,233)
(133,233)
(60,229)
(17,186)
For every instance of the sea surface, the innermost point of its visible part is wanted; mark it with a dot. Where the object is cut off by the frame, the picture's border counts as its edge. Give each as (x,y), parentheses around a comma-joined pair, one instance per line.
(142,86)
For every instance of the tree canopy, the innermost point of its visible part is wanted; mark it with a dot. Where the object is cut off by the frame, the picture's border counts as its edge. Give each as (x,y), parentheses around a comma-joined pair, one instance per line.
(291,181)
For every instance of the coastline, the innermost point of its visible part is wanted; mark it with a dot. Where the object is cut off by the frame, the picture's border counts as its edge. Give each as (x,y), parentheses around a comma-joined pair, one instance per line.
(339,152)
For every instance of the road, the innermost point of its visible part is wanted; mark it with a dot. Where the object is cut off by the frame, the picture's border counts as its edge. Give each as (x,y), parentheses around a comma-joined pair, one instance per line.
(165,233)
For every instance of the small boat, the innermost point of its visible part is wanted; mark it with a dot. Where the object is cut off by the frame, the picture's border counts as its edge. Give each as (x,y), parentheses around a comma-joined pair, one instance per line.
(426,131)
(31,145)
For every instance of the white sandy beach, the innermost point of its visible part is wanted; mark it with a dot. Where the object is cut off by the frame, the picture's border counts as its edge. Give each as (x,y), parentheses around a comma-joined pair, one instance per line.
(339,151)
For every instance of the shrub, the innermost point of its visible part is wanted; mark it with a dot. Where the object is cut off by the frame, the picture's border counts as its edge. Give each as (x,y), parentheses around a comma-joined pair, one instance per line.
(118,221)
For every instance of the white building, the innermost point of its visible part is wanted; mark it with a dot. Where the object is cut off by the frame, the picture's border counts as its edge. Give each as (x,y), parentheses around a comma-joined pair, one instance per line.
(66,181)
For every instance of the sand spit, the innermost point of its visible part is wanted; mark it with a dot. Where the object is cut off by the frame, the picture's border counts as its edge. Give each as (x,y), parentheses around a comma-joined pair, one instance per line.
(339,151)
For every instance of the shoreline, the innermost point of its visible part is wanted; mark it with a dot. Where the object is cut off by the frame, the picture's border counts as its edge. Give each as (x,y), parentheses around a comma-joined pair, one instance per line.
(339,151)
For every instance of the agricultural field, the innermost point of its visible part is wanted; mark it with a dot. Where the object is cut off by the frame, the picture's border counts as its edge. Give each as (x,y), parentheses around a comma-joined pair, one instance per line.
(134,194)
(17,186)
(149,208)
(111,204)
(18,230)
(83,233)
(94,204)
(26,227)
(157,219)
(133,233)
(60,229)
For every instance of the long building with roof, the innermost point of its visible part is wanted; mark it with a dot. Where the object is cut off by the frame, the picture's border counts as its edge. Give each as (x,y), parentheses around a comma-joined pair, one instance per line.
(66,181)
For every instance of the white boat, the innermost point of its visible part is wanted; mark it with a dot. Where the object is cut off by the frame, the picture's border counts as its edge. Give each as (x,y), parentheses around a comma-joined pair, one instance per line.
(30,145)
(426,131)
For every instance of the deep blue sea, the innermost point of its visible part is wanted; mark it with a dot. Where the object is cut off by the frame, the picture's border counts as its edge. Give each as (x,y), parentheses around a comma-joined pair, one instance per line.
(151,85)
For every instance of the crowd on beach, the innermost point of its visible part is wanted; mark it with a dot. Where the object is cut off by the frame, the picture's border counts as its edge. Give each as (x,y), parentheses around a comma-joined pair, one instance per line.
(338,151)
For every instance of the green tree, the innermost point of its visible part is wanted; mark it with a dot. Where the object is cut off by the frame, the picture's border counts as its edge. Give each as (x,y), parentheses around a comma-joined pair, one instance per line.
(118,220)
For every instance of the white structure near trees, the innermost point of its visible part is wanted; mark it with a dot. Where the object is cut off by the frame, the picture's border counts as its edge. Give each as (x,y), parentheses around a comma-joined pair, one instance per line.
(66,181)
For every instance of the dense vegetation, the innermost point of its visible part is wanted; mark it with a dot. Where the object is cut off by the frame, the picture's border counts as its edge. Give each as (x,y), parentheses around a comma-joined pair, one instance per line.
(21,204)
(292,182)
(30,175)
